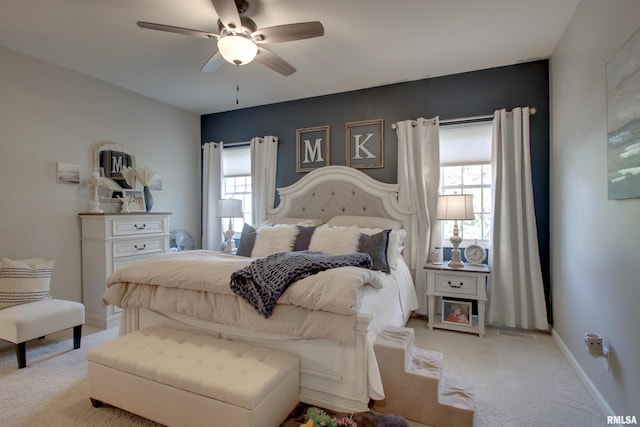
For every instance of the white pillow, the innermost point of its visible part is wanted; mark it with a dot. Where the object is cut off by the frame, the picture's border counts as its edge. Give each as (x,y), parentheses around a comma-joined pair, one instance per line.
(395,245)
(307,222)
(335,240)
(22,282)
(365,222)
(272,239)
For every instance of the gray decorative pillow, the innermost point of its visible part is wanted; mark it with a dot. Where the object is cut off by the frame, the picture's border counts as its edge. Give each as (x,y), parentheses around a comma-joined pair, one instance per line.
(376,246)
(247,241)
(303,239)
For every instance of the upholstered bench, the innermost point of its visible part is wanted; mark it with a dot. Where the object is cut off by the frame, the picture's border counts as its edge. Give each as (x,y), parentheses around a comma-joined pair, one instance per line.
(176,377)
(24,322)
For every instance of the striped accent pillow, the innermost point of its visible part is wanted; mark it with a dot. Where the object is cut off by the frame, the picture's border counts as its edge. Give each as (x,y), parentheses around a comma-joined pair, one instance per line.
(22,282)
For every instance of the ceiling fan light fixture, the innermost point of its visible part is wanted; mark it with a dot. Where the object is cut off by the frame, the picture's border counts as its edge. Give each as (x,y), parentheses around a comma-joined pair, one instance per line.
(238,50)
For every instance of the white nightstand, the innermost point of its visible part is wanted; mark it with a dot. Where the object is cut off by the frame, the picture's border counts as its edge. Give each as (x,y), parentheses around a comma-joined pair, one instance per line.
(469,282)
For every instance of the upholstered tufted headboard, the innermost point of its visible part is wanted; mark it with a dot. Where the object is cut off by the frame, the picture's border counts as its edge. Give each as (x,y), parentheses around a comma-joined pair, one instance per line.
(339,190)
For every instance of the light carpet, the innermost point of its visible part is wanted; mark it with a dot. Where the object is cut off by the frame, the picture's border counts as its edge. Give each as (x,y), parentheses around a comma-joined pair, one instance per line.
(520,380)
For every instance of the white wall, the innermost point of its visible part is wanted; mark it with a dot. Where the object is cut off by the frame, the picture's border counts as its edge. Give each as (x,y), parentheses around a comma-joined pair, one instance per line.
(49,114)
(595,241)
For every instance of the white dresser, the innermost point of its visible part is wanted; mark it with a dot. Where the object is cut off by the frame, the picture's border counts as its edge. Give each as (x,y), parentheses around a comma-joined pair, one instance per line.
(109,242)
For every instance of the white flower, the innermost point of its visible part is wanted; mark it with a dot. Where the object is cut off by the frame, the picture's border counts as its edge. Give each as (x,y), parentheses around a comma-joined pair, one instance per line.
(129,175)
(145,174)
(99,181)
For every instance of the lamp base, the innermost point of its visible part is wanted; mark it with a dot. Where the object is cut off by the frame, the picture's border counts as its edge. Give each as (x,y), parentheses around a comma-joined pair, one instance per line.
(456,259)
(230,247)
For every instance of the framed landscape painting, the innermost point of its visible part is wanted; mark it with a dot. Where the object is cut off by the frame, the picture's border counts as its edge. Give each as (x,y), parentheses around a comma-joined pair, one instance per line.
(623,121)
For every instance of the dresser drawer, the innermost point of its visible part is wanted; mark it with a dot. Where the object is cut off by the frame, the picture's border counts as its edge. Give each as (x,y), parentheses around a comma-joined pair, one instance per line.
(454,284)
(133,247)
(138,225)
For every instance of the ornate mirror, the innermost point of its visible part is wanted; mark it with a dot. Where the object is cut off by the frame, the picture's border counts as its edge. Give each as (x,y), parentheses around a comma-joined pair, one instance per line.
(110,159)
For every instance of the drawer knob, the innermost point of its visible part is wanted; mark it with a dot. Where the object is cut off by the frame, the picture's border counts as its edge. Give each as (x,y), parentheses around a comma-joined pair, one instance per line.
(140,227)
(140,248)
(454,286)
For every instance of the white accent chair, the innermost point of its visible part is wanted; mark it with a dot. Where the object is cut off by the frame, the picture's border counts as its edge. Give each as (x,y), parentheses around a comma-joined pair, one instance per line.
(24,322)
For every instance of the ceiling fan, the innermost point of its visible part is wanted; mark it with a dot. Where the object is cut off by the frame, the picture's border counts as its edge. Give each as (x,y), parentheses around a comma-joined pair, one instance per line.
(240,40)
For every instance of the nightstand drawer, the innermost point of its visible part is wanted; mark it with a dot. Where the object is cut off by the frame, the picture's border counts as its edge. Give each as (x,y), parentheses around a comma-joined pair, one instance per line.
(453,284)
(126,248)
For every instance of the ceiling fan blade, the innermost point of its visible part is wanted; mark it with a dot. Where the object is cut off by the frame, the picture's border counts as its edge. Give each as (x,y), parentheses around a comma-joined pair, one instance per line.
(177,30)
(273,61)
(213,63)
(288,32)
(228,13)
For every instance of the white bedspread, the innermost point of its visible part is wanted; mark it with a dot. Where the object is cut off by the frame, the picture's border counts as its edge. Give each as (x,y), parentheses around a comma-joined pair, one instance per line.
(324,305)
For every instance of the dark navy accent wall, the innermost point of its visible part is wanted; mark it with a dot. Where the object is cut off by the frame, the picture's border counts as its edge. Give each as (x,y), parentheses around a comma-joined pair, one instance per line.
(454,96)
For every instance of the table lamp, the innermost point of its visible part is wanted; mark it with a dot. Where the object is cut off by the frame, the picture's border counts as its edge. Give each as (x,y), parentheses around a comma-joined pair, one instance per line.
(455,207)
(230,208)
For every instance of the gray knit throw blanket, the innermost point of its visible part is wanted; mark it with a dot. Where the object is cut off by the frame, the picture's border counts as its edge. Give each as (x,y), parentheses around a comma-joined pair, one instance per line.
(265,279)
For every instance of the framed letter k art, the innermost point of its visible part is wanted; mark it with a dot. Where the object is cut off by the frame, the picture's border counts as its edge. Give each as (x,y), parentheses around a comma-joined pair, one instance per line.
(365,147)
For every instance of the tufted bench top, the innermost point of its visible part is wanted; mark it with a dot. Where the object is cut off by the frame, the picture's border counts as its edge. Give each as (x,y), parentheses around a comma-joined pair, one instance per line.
(228,371)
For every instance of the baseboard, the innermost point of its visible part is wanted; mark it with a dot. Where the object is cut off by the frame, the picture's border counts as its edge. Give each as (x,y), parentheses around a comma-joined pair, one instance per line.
(593,390)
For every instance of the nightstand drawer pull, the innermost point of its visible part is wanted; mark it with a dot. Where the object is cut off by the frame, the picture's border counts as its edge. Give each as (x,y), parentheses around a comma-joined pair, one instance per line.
(455,284)
(140,227)
(140,248)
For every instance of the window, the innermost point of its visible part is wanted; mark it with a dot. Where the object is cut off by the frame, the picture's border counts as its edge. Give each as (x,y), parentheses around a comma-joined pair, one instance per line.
(465,168)
(236,164)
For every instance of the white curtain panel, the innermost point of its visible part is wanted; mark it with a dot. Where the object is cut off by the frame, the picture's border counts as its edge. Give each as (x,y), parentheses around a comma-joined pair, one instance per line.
(419,180)
(516,291)
(212,174)
(264,162)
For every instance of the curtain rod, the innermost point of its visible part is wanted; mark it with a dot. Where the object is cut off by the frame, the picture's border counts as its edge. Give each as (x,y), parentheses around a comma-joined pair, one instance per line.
(241,143)
(230,144)
(236,144)
(532,111)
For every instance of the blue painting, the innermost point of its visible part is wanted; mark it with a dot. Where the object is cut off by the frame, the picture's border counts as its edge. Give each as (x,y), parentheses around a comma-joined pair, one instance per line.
(623,121)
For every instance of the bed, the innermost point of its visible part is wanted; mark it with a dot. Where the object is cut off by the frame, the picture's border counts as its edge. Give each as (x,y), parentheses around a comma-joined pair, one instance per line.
(330,319)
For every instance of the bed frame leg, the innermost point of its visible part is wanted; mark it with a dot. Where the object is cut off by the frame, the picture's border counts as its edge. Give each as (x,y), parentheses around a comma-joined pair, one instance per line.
(96,403)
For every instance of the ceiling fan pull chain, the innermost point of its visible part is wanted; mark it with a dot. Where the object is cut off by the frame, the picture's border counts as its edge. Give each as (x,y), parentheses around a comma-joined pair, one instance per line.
(237,84)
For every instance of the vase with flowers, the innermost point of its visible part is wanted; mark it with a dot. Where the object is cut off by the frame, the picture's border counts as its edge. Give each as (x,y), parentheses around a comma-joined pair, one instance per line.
(145,174)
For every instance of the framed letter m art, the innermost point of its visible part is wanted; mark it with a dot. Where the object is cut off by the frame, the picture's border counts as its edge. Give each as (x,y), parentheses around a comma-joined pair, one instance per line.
(312,148)
(365,148)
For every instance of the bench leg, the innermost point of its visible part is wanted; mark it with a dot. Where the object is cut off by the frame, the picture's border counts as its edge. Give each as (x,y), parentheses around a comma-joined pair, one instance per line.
(21,353)
(77,336)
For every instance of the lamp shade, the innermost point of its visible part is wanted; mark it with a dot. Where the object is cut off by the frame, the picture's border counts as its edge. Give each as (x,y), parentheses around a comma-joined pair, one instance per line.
(230,208)
(455,207)
(238,50)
